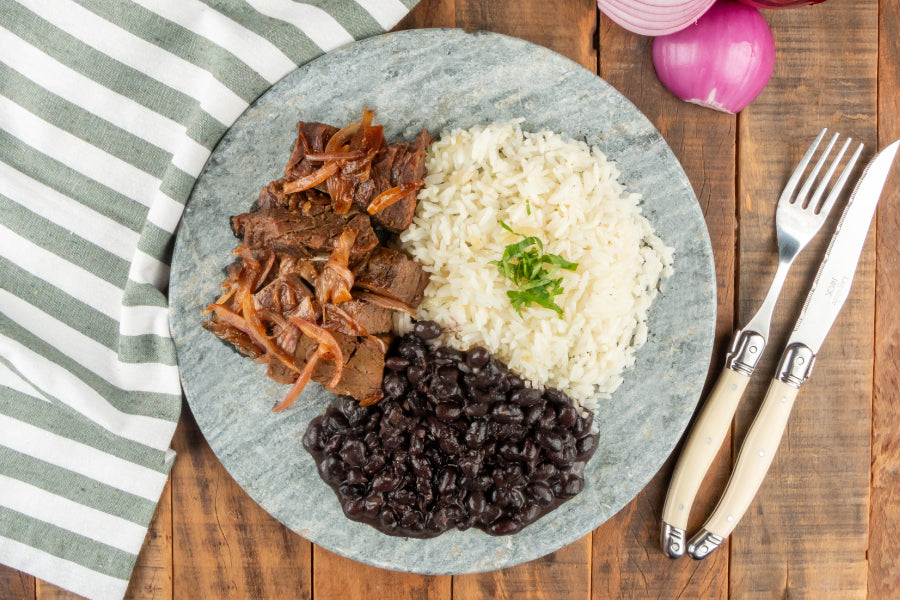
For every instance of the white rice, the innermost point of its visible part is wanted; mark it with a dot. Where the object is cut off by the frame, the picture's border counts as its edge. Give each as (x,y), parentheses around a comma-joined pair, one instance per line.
(477,178)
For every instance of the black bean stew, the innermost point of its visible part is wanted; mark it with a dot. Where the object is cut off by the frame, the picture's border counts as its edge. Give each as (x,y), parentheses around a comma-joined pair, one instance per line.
(458,441)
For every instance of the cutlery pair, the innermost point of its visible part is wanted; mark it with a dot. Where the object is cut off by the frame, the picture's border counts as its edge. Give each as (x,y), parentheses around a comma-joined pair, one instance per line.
(798,218)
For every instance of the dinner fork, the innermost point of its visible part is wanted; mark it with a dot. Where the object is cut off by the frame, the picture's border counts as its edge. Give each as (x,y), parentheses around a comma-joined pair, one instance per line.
(797,219)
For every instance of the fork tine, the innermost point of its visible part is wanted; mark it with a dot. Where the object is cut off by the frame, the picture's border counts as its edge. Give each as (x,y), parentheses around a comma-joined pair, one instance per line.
(820,189)
(804,191)
(842,180)
(801,166)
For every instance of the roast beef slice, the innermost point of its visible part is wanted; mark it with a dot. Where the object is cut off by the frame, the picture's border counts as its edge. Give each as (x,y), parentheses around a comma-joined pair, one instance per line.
(296,232)
(391,273)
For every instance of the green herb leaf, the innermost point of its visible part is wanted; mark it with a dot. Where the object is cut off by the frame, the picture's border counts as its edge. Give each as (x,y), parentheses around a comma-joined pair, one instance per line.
(523,264)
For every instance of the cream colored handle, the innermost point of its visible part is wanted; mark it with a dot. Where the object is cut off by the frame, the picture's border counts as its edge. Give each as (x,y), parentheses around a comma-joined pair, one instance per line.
(702,445)
(754,459)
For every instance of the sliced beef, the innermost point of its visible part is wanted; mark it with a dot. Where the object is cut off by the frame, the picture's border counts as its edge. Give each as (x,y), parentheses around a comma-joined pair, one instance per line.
(373,319)
(396,164)
(391,273)
(240,340)
(303,234)
(282,294)
(312,137)
(363,366)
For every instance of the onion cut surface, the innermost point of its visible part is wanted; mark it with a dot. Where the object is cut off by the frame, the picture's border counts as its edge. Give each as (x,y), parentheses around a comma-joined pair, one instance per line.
(654,17)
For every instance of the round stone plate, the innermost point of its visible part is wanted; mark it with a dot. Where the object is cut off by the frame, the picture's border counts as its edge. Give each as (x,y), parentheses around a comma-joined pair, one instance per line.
(439,79)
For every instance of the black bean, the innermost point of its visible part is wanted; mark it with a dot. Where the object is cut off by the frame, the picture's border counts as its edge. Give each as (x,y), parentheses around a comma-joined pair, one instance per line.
(530,512)
(469,466)
(477,357)
(313,438)
(385,481)
(427,330)
(331,470)
(393,384)
(473,411)
(583,426)
(586,446)
(549,440)
(544,472)
(505,526)
(476,503)
(507,413)
(539,492)
(396,363)
(525,397)
(356,476)
(447,411)
(415,373)
(353,452)
(567,416)
(354,508)
(476,434)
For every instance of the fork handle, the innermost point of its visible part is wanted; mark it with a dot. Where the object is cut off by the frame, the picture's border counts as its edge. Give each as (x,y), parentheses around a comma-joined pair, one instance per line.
(699,451)
(753,462)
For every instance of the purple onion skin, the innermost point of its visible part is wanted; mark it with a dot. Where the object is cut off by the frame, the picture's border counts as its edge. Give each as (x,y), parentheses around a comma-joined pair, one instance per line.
(722,62)
(780,3)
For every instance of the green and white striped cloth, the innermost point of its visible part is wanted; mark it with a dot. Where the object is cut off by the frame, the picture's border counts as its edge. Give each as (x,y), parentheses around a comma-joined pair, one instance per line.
(108,111)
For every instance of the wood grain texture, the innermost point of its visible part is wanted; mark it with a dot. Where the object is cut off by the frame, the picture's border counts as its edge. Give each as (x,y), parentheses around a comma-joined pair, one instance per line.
(15,585)
(152,575)
(805,535)
(627,560)
(225,545)
(884,526)
(338,577)
(565,573)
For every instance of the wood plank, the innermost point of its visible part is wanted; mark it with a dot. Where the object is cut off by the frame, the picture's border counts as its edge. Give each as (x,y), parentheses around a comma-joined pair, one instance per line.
(565,573)
(627,560)
(16,585)
(225,545)
(337,577)
(152,575)
(805,535)
(884,526)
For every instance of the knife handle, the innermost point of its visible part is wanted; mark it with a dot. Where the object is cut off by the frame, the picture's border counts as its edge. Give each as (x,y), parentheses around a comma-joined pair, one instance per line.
(699,451)
(753,461)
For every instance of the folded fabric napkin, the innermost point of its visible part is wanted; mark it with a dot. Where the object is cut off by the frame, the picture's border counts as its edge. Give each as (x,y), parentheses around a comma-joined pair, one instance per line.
(108,112)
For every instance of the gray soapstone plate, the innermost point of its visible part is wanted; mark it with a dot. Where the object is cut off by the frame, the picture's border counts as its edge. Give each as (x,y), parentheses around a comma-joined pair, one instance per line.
(439,79)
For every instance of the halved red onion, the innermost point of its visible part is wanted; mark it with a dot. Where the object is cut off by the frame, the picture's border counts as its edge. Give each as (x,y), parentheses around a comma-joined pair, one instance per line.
(779,3)
(654,17)
(722,62)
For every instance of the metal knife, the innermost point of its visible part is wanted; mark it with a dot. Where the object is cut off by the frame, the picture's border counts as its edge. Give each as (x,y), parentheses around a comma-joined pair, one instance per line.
(826,297)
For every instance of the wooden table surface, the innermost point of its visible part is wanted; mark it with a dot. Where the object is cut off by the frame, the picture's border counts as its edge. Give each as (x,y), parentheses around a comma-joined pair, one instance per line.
(826,523)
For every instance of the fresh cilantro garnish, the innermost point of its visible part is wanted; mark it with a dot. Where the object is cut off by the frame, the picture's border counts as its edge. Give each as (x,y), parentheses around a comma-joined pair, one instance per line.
(523,263)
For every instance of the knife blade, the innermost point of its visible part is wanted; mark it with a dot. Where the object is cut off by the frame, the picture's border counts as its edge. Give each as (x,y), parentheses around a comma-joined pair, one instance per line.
(831,286)
(826,297)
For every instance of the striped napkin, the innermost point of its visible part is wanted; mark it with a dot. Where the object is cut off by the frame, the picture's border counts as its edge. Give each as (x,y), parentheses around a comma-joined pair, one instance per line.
(108,112)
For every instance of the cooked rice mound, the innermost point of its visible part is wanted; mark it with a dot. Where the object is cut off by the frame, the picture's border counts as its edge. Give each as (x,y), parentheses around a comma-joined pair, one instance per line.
(567,194)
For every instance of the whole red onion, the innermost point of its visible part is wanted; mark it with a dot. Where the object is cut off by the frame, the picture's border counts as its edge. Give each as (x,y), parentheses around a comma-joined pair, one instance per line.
(723,61)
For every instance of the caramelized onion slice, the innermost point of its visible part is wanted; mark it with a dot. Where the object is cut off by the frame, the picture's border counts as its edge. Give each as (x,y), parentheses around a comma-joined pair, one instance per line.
(340,155)
(327,345)
(299,384)
(384,302)
(341,137)
(334,284)
(392,196)
(258,334)
(313,179)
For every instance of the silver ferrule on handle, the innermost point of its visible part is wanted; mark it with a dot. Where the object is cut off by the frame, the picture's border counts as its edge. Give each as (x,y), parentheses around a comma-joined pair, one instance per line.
(796,364)
(703,543)
(672,540)
(746,350)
